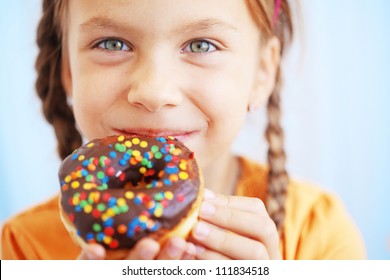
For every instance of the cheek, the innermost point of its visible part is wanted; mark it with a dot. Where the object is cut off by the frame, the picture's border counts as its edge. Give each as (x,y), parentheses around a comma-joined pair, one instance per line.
(96,88)
(223,95)
(95,94)
(223,100)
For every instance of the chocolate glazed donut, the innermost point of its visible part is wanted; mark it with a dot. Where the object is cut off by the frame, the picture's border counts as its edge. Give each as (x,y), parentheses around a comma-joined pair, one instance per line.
(117,190)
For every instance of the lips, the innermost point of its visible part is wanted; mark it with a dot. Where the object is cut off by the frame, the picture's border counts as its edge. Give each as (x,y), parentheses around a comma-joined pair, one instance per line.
(181,135)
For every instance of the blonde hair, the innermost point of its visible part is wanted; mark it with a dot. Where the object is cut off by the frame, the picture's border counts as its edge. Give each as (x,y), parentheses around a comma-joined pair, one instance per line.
(59,114)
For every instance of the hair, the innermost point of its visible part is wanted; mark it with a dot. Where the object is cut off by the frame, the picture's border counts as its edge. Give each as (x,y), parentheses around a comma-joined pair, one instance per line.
(278,25)
(59,113)
(49,85)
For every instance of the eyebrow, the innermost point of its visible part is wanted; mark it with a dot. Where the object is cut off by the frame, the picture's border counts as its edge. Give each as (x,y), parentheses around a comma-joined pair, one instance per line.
(206,24)
(196,26)
(99,23)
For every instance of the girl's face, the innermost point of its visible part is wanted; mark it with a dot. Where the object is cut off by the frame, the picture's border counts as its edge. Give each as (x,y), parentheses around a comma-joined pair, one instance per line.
(182,68)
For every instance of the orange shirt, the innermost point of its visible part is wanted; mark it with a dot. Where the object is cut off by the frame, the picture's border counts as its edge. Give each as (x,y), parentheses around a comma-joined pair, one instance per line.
(316,226)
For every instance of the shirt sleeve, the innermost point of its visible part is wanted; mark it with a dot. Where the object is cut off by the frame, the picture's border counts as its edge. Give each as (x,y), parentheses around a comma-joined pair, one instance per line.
(14,245)
(329,233)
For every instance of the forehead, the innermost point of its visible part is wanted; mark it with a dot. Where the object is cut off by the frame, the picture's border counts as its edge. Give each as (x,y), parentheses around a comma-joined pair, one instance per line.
(160,15)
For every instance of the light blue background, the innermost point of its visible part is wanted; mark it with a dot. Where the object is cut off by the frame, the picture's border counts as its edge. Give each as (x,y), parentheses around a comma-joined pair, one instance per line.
(336,112)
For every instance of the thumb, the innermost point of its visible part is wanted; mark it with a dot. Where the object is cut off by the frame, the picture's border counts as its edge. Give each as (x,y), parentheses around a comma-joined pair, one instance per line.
(92,252)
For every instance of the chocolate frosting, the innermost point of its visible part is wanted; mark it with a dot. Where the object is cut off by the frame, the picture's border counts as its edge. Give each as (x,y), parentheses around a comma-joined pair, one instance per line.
(120,189)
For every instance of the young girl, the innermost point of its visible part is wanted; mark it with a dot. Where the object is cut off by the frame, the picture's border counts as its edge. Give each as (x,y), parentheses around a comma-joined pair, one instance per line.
(192,70)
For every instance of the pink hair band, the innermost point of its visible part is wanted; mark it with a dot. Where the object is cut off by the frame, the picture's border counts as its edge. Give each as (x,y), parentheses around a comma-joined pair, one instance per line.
(277,7)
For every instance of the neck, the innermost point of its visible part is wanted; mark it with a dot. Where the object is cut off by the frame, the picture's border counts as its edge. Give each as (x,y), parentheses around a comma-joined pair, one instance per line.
(222,176)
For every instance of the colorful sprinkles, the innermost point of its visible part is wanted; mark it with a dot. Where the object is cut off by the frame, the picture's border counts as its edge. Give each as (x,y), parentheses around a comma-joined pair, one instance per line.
(158,162)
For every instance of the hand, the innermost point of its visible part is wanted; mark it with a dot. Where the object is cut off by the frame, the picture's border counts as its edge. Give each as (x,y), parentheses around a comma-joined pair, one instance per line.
(233,227)
(147,249)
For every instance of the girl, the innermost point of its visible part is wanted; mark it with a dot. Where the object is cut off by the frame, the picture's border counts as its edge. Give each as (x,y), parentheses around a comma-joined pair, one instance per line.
(192,71)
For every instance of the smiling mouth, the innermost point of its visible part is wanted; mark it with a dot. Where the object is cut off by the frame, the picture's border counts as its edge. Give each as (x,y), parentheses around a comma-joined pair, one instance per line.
(181,135)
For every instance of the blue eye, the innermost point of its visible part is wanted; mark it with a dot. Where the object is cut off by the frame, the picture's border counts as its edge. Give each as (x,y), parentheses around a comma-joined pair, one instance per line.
(113,45)
(200,46)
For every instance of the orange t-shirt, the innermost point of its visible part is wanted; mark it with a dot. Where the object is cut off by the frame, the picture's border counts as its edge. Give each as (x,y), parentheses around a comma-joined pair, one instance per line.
(316,225)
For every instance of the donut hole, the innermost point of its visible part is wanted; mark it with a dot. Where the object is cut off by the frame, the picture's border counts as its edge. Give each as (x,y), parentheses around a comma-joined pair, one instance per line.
(140,176)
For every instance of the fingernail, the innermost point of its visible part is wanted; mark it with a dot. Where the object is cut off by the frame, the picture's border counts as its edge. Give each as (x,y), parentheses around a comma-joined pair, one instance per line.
(90,255)
(207,209)
(95,253)
(200,250)
(190,252)
(202,230)
(147,254)
(191,249)
(208,195)
(173,251)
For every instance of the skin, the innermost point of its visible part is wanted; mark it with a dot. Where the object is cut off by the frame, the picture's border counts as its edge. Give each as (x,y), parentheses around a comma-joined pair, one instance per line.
(190,71)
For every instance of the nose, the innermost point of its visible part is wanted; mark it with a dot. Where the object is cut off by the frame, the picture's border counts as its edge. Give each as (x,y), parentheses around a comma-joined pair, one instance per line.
(153,85)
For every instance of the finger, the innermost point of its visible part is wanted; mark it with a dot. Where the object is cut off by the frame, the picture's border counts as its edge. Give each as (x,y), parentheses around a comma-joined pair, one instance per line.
(92,252)
(228,243)
(247,204)
(205,254)
(145,249)
(173,249)
(257,227)
(190,252)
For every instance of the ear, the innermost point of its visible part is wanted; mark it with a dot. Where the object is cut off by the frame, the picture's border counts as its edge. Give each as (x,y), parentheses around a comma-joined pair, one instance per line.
(266,72)
(66,75)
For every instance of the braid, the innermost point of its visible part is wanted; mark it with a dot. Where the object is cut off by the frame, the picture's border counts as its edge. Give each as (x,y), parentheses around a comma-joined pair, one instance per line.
(48,84)
(278,176)
(275,21)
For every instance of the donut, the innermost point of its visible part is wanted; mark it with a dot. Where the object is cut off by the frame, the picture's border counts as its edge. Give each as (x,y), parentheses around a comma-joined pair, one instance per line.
(120,189)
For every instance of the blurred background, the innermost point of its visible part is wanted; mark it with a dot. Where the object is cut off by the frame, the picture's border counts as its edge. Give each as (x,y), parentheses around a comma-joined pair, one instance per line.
(336,112)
